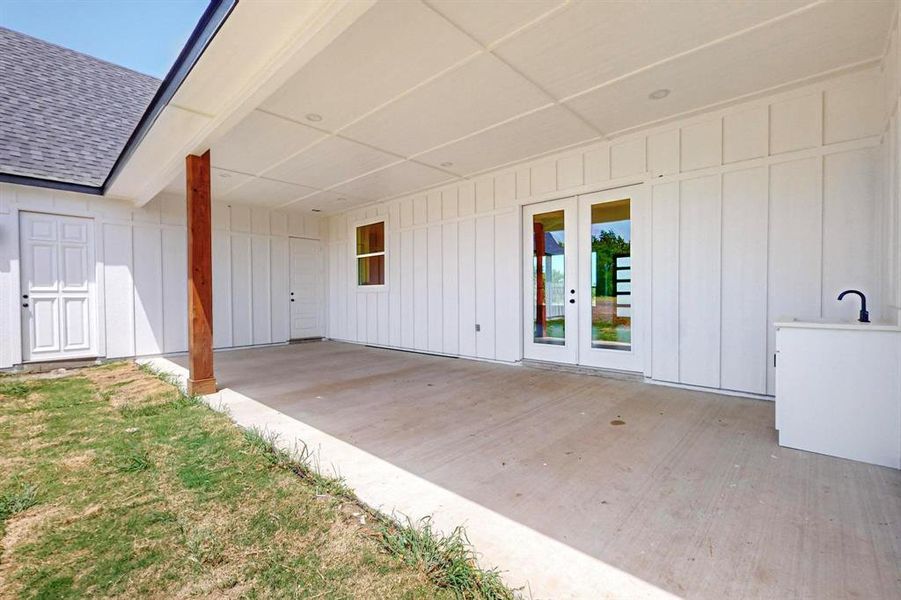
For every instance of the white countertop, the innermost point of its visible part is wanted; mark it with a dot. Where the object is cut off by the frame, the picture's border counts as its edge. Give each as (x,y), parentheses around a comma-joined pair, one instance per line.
(827,324)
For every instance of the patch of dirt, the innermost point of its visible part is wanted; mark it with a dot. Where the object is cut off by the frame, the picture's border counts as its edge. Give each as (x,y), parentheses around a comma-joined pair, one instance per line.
(87,513)
(21,528)
(30,431)
(125,384)
(345,537)
(26,523)
(54,374)
(76,462)
(9,464)
(112,374)
(223,581)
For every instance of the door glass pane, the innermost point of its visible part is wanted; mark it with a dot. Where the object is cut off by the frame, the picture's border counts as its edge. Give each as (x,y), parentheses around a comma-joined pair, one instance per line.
(611,276)
(548,281)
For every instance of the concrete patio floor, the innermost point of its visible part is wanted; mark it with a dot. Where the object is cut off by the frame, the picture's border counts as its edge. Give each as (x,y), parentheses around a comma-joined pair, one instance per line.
(690,496)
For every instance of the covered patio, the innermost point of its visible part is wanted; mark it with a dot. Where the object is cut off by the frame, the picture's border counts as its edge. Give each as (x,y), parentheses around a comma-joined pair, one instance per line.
(678,492)
(446,191)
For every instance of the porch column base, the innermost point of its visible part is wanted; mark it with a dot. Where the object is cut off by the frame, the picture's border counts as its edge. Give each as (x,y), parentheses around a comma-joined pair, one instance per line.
(202,387)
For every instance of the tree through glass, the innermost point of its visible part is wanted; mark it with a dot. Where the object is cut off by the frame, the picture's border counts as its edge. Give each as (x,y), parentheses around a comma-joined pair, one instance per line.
(611,276)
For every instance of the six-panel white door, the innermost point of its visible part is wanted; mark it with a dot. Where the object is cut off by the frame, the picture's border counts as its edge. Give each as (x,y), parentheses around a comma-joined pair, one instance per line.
(306,288)
(58,288)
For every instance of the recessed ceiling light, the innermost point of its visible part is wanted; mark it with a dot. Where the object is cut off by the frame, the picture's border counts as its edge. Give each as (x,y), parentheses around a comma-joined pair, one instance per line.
(447,164)
(659,94)
(314,117)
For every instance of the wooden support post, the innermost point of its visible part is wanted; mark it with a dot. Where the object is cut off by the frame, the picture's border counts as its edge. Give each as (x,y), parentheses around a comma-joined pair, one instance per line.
(200,276)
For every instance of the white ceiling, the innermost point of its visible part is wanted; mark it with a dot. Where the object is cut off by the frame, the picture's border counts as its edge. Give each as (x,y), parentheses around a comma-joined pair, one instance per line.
(418,93)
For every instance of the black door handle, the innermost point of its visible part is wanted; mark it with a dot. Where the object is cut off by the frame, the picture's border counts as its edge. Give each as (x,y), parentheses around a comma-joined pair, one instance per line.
(292,299)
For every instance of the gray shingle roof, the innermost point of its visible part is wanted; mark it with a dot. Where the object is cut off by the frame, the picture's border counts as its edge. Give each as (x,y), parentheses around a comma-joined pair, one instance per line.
(64,115)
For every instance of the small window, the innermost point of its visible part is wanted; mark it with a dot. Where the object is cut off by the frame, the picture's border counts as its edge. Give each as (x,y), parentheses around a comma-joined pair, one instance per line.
(371,254)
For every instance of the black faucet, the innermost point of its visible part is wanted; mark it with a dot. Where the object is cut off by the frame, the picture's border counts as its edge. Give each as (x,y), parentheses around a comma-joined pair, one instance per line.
(864,315)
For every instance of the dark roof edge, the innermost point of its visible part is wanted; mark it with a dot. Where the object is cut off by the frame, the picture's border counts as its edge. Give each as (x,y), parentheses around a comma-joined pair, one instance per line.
(210,23)
(52,184)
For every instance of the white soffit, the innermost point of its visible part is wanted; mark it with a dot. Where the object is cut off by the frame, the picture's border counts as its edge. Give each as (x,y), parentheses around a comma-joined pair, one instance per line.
(172,124)
(531,135)
(392,47)
(492,20)
(466,87)
(266,192)
(259,46)
(322,202)
(331,162)
(589,43)
(394,180)
(242,49)
(221,182)
(259,141)
(479,94)
(818,40)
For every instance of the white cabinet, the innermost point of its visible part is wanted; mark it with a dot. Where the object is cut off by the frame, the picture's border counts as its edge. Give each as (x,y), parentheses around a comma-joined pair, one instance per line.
(838,390)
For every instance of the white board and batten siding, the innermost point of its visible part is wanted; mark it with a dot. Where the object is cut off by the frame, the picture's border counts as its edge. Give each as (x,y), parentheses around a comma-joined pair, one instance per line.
(759,211)
(450,266)
(141,265)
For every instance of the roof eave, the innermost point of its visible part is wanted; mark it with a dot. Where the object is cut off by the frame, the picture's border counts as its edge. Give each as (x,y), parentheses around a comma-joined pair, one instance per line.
(210,23)
(207,27)
(52,184)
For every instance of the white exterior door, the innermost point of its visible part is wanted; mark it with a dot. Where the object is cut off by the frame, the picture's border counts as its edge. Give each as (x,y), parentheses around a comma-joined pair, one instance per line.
(306,288)
(550,283)
(58,287)
(580,305)
(609,260)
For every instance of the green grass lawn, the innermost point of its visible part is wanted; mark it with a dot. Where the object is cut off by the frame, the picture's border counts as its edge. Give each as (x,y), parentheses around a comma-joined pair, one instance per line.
(113,484)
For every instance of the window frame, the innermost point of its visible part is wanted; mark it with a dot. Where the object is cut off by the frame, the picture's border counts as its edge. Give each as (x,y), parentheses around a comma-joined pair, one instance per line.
(375,287)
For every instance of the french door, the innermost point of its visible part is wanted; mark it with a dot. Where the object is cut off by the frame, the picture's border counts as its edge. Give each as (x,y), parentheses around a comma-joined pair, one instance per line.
(551,261)
(579,305)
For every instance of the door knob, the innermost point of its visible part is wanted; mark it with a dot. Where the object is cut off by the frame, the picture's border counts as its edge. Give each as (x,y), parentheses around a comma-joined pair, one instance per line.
(572,300)
(25,296)
(25,305)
